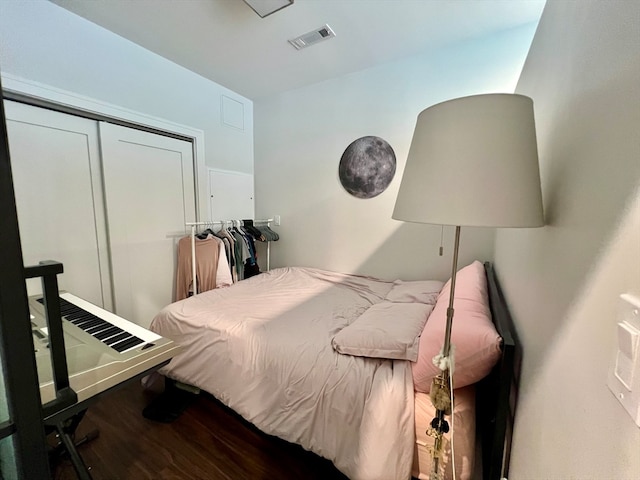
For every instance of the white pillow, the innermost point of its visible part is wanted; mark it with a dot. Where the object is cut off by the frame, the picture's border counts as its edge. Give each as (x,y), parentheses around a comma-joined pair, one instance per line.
(385,330)
(422,291)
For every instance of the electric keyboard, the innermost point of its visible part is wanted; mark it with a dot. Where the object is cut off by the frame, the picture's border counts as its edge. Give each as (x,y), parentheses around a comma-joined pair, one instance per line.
(102,349)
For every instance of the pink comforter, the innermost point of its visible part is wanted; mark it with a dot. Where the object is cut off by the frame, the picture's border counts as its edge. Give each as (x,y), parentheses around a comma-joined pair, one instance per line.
(263,347)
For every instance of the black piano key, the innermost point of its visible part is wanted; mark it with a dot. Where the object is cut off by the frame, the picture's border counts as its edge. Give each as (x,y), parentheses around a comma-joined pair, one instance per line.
(84,321)
(77,318)
(90,323)
(126,344)
(110,332)
(77,315)
(98,328)
(71,307)
(115,339)
(65,306)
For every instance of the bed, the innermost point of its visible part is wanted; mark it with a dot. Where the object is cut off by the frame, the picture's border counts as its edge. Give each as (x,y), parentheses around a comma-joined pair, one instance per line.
(328,361)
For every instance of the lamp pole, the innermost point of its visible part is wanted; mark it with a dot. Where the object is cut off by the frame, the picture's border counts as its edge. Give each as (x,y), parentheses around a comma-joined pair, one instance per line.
(440,392)
(454,270)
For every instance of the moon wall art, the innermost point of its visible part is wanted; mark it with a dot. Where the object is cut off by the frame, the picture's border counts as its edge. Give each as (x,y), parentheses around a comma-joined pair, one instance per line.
(367,167)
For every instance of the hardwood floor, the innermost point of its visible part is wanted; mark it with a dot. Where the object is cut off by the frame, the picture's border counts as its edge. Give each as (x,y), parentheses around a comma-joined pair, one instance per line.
(208,441)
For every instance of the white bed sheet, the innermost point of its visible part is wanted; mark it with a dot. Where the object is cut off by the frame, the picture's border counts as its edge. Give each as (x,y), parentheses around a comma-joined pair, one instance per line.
(263,347)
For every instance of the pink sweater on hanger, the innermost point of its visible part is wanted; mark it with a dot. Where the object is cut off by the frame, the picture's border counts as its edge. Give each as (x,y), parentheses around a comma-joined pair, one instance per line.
(211,270)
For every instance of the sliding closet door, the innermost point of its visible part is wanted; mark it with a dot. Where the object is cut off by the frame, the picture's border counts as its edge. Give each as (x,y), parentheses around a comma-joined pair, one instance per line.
(149,187)
(56,174)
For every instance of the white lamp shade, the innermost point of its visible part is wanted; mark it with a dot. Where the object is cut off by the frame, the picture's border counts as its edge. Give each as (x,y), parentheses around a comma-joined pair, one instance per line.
(473,161)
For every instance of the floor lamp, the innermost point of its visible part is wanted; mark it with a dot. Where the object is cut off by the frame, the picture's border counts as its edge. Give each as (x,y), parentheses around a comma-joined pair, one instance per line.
(473,161)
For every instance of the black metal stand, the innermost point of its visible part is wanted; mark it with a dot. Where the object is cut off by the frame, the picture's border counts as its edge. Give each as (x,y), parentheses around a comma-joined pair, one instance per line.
(65,431)
(78,464)
(65,396)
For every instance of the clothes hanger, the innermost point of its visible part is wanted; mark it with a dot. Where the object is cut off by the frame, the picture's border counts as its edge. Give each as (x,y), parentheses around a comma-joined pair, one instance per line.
(267,233)
(204,234)
(272,235)
(253,230)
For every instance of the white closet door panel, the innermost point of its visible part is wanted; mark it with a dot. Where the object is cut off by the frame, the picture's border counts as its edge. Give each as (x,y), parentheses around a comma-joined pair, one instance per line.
(150,194)
(55,161)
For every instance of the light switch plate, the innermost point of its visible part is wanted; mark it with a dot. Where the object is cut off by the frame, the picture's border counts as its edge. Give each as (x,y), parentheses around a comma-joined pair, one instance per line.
(624,373)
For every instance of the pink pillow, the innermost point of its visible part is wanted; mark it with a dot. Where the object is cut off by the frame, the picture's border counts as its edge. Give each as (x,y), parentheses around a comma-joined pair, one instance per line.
(476,341)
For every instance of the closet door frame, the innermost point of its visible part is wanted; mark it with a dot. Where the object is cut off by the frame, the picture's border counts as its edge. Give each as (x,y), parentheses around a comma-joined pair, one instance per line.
(40,95)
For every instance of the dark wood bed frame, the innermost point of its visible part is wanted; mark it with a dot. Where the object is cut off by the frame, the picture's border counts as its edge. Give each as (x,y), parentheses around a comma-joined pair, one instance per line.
(496,395)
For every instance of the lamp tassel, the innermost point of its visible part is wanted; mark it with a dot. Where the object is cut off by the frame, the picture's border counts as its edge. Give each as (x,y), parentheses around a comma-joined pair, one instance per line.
(440,395)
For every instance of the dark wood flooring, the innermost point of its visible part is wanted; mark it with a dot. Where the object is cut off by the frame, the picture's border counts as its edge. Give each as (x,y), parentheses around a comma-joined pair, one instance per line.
(208,441)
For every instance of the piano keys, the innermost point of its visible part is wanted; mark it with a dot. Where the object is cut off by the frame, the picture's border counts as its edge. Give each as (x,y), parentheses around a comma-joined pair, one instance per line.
(102,349)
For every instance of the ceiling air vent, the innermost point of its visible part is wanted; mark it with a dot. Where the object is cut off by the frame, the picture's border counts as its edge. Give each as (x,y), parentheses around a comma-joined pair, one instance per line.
(313,37)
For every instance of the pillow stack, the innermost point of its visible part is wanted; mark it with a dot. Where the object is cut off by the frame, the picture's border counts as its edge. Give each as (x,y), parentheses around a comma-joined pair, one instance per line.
(477,344)
(391,329)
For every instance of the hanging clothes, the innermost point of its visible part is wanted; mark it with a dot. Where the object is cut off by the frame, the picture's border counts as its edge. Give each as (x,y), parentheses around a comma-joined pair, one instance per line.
(229,245)
(241,252)
(250,233)
(253,231)
(223,271)
(237,256)
(267,235)
(211,266)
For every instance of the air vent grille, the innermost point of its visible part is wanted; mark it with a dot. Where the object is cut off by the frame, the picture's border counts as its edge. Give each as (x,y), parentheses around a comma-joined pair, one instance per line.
(311,38)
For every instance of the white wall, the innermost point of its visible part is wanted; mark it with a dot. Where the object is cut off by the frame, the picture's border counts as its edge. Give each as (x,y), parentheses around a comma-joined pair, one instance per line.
(43,42)
(562,281)
(300,136)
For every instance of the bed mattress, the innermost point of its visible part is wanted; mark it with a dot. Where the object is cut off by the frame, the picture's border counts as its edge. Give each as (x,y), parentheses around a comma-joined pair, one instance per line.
(263,348)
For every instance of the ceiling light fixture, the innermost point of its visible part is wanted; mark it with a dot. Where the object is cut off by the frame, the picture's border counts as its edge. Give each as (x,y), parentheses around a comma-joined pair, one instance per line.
(266,7)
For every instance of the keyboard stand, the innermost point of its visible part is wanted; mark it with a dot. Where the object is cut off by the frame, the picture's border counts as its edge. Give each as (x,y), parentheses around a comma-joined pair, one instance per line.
(63,414)
(65,431)
(65,422)
(65,396)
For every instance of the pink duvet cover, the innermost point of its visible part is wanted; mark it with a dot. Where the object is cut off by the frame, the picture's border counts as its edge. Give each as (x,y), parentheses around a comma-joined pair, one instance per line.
(263,347)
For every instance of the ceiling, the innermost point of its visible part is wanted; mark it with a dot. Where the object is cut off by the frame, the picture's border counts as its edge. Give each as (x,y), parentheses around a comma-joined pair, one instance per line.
(227,42)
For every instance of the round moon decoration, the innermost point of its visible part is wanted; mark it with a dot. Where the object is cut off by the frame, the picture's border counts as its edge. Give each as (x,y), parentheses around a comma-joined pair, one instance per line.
(367,167)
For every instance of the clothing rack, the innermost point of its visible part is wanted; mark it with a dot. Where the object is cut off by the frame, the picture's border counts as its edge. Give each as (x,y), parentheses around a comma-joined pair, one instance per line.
(212,223)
